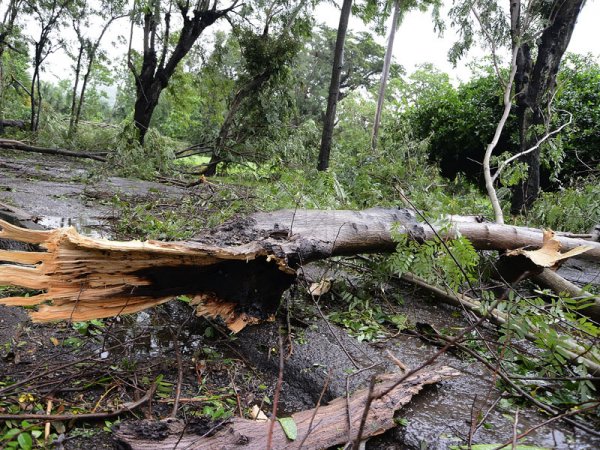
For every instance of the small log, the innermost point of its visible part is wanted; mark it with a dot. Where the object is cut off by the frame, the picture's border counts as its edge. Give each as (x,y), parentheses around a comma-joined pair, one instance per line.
(317,428)
(5,123)
(11,144)
(558,284)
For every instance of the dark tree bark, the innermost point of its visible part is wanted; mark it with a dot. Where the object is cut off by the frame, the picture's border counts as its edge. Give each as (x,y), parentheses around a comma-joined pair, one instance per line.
(154,74)
(334,87)
(48,16)
(20,124)
(535,85)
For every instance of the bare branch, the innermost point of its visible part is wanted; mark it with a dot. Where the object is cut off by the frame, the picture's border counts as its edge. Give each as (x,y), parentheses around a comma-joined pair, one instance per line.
(547,136)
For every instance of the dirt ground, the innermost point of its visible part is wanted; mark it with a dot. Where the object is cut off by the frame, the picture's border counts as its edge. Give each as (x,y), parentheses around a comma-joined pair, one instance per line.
(98,366)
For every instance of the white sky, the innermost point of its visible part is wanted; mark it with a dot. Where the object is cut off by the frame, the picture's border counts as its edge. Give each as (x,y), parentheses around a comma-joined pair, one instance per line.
(416,42)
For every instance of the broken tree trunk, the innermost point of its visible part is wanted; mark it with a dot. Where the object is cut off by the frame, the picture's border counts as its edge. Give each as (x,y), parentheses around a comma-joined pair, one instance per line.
(322,427)
(238,271)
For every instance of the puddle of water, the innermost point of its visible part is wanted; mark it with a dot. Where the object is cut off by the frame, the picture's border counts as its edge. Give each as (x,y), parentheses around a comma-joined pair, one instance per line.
(84,225)
(145,333)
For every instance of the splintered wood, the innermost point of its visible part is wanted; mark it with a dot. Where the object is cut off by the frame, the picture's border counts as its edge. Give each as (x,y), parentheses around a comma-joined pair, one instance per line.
(549,255)
(83,278)
(322,427)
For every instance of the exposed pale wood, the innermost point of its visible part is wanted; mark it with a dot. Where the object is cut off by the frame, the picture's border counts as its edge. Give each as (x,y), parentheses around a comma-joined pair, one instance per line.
(329,427)
(89,278)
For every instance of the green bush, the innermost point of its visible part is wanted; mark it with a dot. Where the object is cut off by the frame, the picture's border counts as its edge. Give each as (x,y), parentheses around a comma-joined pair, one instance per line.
(575,209)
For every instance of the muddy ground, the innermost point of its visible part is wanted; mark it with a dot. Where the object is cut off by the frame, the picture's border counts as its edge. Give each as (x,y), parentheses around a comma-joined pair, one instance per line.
(96,367)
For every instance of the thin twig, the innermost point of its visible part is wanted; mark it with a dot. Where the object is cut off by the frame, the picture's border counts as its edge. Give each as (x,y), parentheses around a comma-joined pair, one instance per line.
(316,409)
(127,407)
(276,396)
(179,375)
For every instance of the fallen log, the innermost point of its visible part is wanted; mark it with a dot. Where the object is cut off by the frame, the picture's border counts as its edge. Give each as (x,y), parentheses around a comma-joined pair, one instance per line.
(317,428)
(11,144)
(5,123)
(558,284)
(238,271)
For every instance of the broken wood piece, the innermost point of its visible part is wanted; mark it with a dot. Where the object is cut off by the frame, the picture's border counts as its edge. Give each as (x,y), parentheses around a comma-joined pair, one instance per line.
(87,278)
(549,254)
(329,425)
(552,280)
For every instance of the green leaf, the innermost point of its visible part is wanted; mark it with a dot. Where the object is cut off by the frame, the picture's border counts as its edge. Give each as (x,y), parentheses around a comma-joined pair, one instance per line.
(10,434)
(36,433)
(289,427)
(25,441)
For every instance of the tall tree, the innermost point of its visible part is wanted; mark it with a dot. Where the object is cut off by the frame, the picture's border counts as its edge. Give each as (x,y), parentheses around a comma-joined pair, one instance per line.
(538,35)
(156,70)
(87,48)
(334,87)
(48,15)
(535,86)
(6,30)
(400,7)
(386,71)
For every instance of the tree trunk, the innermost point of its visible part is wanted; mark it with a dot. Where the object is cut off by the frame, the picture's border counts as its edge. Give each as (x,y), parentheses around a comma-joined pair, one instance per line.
(86,278)
(75,87)
(154,76)
(334,87)
(384,75)
(6,30)
(322,427)
(536,85)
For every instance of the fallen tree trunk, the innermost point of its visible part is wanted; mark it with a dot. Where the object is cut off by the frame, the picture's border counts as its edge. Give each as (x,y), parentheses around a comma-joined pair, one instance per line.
(18,145)
(238,271)
(5,123)
(321,427)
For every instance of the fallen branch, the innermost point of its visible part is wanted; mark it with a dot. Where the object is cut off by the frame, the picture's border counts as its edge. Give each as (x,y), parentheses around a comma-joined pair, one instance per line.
(237,272)
(18,145)
(558,284)
(568,347)
(127,407)
(329,427)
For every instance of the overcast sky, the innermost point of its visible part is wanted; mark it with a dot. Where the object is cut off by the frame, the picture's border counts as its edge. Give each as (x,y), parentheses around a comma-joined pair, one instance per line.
(416,42)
